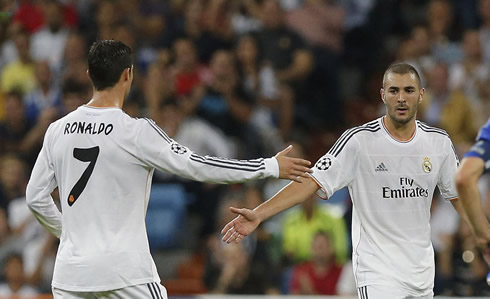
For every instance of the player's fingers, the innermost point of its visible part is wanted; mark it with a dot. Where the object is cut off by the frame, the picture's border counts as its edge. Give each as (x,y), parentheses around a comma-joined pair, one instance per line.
(285,151)
(302,162)
(228,233)
(231,237)
(302,171)
(227,227)
(236,210)
(296,178)
(238,238)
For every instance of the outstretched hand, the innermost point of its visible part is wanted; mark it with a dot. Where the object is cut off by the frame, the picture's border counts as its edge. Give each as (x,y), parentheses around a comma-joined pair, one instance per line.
(243,225)
(292,168)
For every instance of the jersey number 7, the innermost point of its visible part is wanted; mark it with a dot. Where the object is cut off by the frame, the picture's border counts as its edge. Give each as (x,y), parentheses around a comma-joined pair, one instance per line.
(84,155)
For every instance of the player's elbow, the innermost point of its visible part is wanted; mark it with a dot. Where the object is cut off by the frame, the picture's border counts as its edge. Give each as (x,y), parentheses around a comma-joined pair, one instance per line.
(30,196)
(464,180)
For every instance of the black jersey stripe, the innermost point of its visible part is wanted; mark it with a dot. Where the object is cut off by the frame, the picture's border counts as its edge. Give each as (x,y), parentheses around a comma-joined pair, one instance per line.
(433,131)
(454,152)
(157,290)
(151,291)
(158,129)
(426,127)
(228,166)
(372,124)
(352,133)
(234,161)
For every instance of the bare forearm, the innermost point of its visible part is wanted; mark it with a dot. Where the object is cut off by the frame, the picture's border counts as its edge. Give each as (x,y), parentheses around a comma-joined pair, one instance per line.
(471,204)
(291,195)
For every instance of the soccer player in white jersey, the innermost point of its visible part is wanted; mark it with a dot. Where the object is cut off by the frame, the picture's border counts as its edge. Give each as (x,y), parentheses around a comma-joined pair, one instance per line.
(391,167)
(102,161)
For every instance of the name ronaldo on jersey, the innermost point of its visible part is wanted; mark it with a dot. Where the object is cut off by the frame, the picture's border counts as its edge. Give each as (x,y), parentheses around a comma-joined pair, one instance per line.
(80,127)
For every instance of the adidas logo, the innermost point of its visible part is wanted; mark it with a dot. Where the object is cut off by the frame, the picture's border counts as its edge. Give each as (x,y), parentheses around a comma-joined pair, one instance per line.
(381,167)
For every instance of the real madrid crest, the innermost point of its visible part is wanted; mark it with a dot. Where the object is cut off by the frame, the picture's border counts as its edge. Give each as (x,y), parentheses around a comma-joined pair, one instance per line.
(427,165)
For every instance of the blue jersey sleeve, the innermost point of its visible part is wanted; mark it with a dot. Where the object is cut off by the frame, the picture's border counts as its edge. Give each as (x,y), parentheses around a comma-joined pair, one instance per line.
(484,133)
(481,150)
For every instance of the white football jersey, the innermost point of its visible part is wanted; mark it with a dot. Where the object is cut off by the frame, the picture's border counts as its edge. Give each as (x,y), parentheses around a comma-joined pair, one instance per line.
(391,184)
(102,160)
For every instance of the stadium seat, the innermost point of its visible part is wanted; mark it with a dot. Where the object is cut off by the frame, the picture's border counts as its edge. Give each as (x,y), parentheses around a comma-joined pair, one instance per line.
(166,215)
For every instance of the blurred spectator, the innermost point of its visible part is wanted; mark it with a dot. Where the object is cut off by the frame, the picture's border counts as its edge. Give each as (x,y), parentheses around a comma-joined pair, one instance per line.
(274,107)
(30,14)
(444,32)
(16,283)
(241,268)
(15,126)
(193,132)
(484,11)
(472,71)
(320,274)
(74,65)
(17,133)
(75,94)
(245,17)
(469,267)
(286,52)
(319,23)
(224,104)
(199,28)
(13,179)
(47,94)
(416,50)
(19,74)
(300,226)
(447,109)
(188,71)
(49,42)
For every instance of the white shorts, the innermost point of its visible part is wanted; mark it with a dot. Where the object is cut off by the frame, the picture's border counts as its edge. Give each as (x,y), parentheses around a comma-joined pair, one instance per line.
(148,290)
(385,292)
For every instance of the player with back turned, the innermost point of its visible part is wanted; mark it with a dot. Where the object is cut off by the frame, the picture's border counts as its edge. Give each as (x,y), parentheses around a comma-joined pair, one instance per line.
(391,167)
(102,160)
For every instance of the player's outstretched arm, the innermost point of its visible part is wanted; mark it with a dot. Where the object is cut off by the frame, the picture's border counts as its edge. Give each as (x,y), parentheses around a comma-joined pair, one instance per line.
(467,178)
(248,220)
(292,168)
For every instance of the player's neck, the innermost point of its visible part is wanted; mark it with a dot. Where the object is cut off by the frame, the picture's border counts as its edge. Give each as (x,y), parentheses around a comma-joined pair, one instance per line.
(401,132)
(107,98)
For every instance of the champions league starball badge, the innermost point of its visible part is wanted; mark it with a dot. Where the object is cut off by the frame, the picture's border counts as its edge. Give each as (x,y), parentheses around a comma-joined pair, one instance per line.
(324,163)
(178,149)
(427,165)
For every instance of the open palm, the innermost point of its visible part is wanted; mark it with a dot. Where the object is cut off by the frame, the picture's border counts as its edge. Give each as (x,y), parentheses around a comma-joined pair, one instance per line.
(243,225)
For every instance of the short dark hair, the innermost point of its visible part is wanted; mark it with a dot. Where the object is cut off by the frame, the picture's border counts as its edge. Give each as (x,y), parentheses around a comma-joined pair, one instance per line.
(402,69)
(107,59)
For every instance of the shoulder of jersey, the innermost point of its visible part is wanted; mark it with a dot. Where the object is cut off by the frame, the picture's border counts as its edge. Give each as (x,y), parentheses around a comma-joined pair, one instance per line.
(431,130)
(368,128)
(485,132)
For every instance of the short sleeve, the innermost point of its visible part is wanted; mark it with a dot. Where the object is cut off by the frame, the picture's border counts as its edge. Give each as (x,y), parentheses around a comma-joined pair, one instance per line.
(446,183)
(337,169)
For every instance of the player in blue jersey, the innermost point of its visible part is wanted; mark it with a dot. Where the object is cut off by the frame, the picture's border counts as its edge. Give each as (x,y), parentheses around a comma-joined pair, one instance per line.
(475,163)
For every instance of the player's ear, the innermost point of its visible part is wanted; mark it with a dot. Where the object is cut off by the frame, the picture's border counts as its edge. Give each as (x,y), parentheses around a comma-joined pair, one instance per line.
(421,95)
(382,93)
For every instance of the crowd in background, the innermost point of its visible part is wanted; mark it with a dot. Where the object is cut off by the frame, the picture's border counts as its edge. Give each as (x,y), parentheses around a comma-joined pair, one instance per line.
(241,79)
